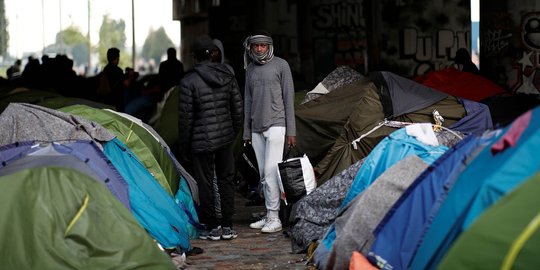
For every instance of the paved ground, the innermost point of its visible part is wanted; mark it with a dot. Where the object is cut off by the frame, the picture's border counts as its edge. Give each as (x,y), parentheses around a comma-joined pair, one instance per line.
(251,250)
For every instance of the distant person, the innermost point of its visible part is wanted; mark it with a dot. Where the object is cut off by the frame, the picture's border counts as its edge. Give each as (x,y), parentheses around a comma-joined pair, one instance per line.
(269,120)
(464,61)
(170,71)
(30,74)
(210,115)
(14,71)
(114,77)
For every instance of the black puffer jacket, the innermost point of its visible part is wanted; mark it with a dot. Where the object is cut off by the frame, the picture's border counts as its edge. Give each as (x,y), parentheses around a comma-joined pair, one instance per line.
(210,108)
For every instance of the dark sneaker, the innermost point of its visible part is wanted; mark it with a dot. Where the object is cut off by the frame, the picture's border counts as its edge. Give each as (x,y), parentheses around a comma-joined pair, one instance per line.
(227,233)
(215,234)
(203,234)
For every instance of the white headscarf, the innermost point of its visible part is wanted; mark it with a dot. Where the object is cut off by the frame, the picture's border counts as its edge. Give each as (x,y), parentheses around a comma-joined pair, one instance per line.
(250,56)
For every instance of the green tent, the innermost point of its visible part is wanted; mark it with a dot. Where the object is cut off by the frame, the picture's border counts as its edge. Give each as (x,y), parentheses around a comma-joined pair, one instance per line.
(505,236)
(165,121)
(43,98)
(59,218)
(160,154)
(126,133)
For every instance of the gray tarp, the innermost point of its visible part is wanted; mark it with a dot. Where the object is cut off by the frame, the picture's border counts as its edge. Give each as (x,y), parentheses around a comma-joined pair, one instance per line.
(27,122)
(355,225)
(312,215)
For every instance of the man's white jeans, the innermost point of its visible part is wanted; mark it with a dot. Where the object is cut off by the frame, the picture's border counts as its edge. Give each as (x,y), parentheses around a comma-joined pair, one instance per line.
(268,147)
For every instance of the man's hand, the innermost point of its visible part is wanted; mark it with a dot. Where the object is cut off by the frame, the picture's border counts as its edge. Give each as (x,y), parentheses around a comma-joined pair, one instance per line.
(291,141)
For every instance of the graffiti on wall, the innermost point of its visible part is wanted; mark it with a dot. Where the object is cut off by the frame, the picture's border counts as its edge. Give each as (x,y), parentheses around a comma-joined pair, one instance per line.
(431,51)
(339,37)
(526,67)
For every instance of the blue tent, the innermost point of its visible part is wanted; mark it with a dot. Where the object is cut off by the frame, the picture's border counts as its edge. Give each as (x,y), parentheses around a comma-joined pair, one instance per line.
(159,214)
(399,232)
(157,211)
(395,147)
(499,168)
(83,156)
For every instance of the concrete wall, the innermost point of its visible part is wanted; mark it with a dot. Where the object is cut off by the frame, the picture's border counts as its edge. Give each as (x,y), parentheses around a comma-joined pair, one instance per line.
(406,37)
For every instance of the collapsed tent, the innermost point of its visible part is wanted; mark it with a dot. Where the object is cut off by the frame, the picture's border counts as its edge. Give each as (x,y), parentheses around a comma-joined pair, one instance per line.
(386,96)
(500,167)
(59,218)
(153,207)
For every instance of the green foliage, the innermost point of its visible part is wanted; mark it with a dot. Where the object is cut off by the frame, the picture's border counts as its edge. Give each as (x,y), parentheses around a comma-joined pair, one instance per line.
(156,45)
(4,35)
(74,42)
(71,36)
(112,34)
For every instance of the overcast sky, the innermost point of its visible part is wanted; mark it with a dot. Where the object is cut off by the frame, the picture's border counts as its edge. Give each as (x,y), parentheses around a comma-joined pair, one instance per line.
(34,24)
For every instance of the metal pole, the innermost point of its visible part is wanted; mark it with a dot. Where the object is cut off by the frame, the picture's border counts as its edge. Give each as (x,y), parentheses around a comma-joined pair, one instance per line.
(133,33)
(89,44)
(42,26)
(60,21)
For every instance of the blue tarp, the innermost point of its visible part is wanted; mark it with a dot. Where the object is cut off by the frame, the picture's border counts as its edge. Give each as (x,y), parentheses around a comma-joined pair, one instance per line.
(489,177)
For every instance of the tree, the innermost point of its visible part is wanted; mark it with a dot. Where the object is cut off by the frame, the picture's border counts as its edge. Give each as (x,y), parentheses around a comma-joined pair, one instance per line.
(156,45)
(112,34)
(4,35)
(73,42)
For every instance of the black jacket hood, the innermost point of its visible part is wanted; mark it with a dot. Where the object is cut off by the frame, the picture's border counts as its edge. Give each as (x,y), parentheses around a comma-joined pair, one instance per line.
(214,74)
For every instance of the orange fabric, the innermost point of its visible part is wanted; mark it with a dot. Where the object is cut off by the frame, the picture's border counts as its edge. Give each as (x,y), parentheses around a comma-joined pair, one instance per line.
(460,84)
(359,262)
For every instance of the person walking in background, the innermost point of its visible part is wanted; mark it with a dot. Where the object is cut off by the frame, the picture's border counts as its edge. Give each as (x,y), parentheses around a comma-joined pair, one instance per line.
(113,74)
(464,61)
(170,71)
(14,71)
(269,118)
(210,115)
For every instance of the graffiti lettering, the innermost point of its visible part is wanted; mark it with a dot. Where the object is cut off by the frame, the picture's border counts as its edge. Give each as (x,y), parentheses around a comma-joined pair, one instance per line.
(431,52)
(427,48)
(493,41)
(340,15)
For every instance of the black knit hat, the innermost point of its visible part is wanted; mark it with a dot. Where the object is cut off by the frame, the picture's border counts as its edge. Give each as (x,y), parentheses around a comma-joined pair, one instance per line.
(202,44)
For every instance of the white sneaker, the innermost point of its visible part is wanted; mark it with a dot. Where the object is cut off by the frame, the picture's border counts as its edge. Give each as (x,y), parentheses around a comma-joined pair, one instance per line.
(272,225)
(258,224)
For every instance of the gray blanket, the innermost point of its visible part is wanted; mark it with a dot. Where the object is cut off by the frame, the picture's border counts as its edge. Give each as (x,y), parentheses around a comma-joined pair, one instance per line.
(355,224)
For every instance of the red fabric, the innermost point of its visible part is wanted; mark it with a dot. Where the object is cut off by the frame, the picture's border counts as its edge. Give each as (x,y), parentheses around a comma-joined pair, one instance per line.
(460,84)
(510,138)
(359,262)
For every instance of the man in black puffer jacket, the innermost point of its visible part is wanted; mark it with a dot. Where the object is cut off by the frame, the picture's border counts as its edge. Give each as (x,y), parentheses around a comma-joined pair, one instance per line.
(210,115)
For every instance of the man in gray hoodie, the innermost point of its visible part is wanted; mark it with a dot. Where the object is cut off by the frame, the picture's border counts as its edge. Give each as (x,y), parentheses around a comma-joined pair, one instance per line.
(269,118)
(210,115)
